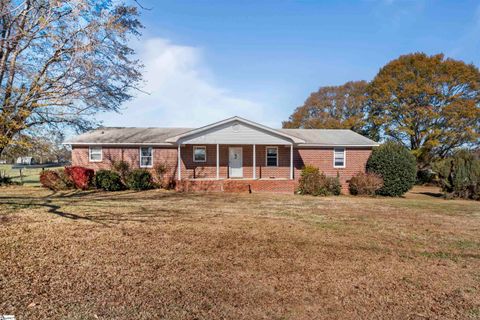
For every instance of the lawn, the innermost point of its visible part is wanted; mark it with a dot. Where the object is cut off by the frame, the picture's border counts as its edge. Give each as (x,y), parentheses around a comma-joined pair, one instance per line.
(158,254)
(30,177)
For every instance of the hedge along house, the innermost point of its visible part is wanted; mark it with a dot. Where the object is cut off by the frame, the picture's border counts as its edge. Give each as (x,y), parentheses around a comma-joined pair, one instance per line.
(230,155)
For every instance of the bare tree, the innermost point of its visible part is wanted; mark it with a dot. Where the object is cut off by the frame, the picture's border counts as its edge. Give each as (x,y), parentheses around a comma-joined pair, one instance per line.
(62,62)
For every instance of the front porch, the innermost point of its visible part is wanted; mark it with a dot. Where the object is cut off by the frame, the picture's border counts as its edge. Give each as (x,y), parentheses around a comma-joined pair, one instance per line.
(208,162)
(237,185)
(234,148)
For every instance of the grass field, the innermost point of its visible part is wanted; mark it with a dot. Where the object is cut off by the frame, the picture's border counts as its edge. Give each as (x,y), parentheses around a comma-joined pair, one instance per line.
(158,254)
(31,177)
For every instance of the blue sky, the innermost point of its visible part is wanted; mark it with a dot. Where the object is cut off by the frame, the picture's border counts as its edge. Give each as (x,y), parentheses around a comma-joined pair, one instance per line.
(208,60)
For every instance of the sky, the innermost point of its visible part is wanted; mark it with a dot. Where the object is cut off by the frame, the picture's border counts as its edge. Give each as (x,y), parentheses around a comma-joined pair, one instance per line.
(209,60)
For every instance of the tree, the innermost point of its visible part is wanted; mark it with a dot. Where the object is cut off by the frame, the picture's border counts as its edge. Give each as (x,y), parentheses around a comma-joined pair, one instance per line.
(428,103)
(61,62)
(336,107)
(460,175)
(46,147)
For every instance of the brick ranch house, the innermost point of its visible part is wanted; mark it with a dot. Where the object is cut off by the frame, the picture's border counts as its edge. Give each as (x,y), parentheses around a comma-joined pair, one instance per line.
(230,155)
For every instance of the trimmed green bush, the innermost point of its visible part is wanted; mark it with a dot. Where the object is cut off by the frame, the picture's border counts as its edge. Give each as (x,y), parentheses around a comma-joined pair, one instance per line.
(108,181)
(397,167)
(318,184)
(365,184)
(140,179)
(460,175)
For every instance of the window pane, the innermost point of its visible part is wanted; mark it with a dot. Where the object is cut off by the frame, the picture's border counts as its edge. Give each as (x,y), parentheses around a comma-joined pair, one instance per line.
(339,155)
(271,161)
(200,154)
(95,157)
(146,158)
(146,152)
(95,154)
(146,161)
(271,152)
(272,157)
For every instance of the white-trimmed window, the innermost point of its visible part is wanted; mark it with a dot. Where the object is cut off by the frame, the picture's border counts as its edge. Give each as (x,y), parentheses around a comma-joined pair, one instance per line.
(272,156)
(200,154)
(146,157)
(339,157)
(95,154)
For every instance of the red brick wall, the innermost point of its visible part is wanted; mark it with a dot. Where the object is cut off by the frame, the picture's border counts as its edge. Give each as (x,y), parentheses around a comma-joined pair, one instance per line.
(356,160)
(130,154)
(277,186)
(322,158)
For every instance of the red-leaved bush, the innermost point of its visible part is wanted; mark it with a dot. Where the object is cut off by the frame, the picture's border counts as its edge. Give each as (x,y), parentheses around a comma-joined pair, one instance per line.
(82,177)
(55,180)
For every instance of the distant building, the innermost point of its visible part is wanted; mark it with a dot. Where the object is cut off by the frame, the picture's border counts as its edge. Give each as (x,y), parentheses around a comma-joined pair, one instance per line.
(2,161)
(25,160)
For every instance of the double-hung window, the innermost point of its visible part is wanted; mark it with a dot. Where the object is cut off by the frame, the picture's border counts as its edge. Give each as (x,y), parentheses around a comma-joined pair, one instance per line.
(95,154)
(272,156)
(199,154)
(146,157)
(339,157)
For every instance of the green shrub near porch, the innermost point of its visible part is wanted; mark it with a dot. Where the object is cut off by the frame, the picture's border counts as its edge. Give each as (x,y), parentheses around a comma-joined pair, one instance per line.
(140,179)
(315,183)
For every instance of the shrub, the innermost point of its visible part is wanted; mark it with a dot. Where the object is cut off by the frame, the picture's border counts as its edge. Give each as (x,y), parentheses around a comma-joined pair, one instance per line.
(5,181)
(425,176)
(365,184)
(55,180)
(460,175)
(397,167)
(82,177)
(318,184)
(140,179)
(122,168)
(333,185)
(108,180)
(161,178)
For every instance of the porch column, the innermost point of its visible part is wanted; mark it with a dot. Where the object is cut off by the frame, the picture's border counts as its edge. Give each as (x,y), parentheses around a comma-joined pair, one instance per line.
(179,170)
(254,163)
(291,161)
(218,166)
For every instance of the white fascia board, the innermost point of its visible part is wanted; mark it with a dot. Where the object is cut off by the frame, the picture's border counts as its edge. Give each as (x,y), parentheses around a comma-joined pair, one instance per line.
(338,145)
(117,144)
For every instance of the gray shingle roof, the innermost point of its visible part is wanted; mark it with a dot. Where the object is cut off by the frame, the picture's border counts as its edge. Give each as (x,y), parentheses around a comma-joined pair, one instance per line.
(158,136)
(118,135)
(330,137)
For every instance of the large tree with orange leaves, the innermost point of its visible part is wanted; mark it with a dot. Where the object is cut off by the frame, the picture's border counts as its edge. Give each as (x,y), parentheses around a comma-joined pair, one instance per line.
(334,107)
(428,103)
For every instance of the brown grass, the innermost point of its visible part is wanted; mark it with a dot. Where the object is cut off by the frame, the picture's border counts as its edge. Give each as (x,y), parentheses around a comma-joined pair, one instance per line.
(156,254)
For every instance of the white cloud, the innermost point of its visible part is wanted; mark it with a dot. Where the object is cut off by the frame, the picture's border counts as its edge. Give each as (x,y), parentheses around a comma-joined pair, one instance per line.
(182,91)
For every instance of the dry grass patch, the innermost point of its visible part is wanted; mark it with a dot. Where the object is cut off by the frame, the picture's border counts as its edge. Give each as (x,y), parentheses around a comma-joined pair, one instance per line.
(156,254)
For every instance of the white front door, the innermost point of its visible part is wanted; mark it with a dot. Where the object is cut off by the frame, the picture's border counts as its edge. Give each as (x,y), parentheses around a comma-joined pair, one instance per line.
(235,162)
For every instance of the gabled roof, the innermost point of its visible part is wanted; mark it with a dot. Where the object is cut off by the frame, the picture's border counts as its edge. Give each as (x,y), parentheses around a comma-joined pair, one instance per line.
(170,136)
(235,119)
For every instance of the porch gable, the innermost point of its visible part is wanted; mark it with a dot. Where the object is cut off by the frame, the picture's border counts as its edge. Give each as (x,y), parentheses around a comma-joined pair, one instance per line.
(235,131)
